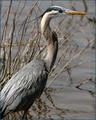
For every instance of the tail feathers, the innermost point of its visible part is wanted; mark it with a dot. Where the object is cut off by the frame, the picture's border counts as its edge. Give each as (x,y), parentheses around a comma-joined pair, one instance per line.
(1,111)
(1,115)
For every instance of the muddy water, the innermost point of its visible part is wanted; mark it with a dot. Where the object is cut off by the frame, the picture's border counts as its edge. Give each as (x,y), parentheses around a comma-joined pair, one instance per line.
(80,103)
(77,104)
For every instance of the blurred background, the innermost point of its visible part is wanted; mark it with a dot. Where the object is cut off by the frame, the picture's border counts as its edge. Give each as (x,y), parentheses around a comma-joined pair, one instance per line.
(70,91)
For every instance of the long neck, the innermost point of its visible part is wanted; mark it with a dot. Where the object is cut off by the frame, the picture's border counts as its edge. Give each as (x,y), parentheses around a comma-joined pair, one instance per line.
(52,42)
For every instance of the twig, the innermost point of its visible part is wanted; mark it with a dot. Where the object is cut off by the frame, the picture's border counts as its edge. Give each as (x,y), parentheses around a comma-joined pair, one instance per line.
(6,22)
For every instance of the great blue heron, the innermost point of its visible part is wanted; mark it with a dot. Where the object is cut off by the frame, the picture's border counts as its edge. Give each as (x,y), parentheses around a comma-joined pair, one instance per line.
(28,83)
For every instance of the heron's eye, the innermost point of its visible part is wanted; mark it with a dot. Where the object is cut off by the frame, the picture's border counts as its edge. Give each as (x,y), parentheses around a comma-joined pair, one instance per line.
(60,11)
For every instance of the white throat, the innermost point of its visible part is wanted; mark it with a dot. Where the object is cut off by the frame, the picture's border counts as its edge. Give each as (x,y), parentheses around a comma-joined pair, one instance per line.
(44,22)
(52,42)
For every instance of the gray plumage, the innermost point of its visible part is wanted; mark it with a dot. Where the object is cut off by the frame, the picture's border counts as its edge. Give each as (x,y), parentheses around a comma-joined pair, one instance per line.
(24,87)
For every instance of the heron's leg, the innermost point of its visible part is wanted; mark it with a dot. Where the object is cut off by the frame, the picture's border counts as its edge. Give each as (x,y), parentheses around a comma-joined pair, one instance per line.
(24,117)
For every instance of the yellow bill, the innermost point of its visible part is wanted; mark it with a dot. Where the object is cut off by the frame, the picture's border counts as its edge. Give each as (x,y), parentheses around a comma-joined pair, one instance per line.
(73,12)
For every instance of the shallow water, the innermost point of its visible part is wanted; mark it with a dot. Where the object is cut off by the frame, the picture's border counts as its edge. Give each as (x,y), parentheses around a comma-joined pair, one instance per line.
(76,103)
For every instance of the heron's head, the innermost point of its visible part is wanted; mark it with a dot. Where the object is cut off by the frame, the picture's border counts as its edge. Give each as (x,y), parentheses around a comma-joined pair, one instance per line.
(55,11)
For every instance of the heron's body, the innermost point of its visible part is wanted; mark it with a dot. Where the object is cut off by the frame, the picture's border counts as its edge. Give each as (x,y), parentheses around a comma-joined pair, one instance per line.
(24,87)
(28,83)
